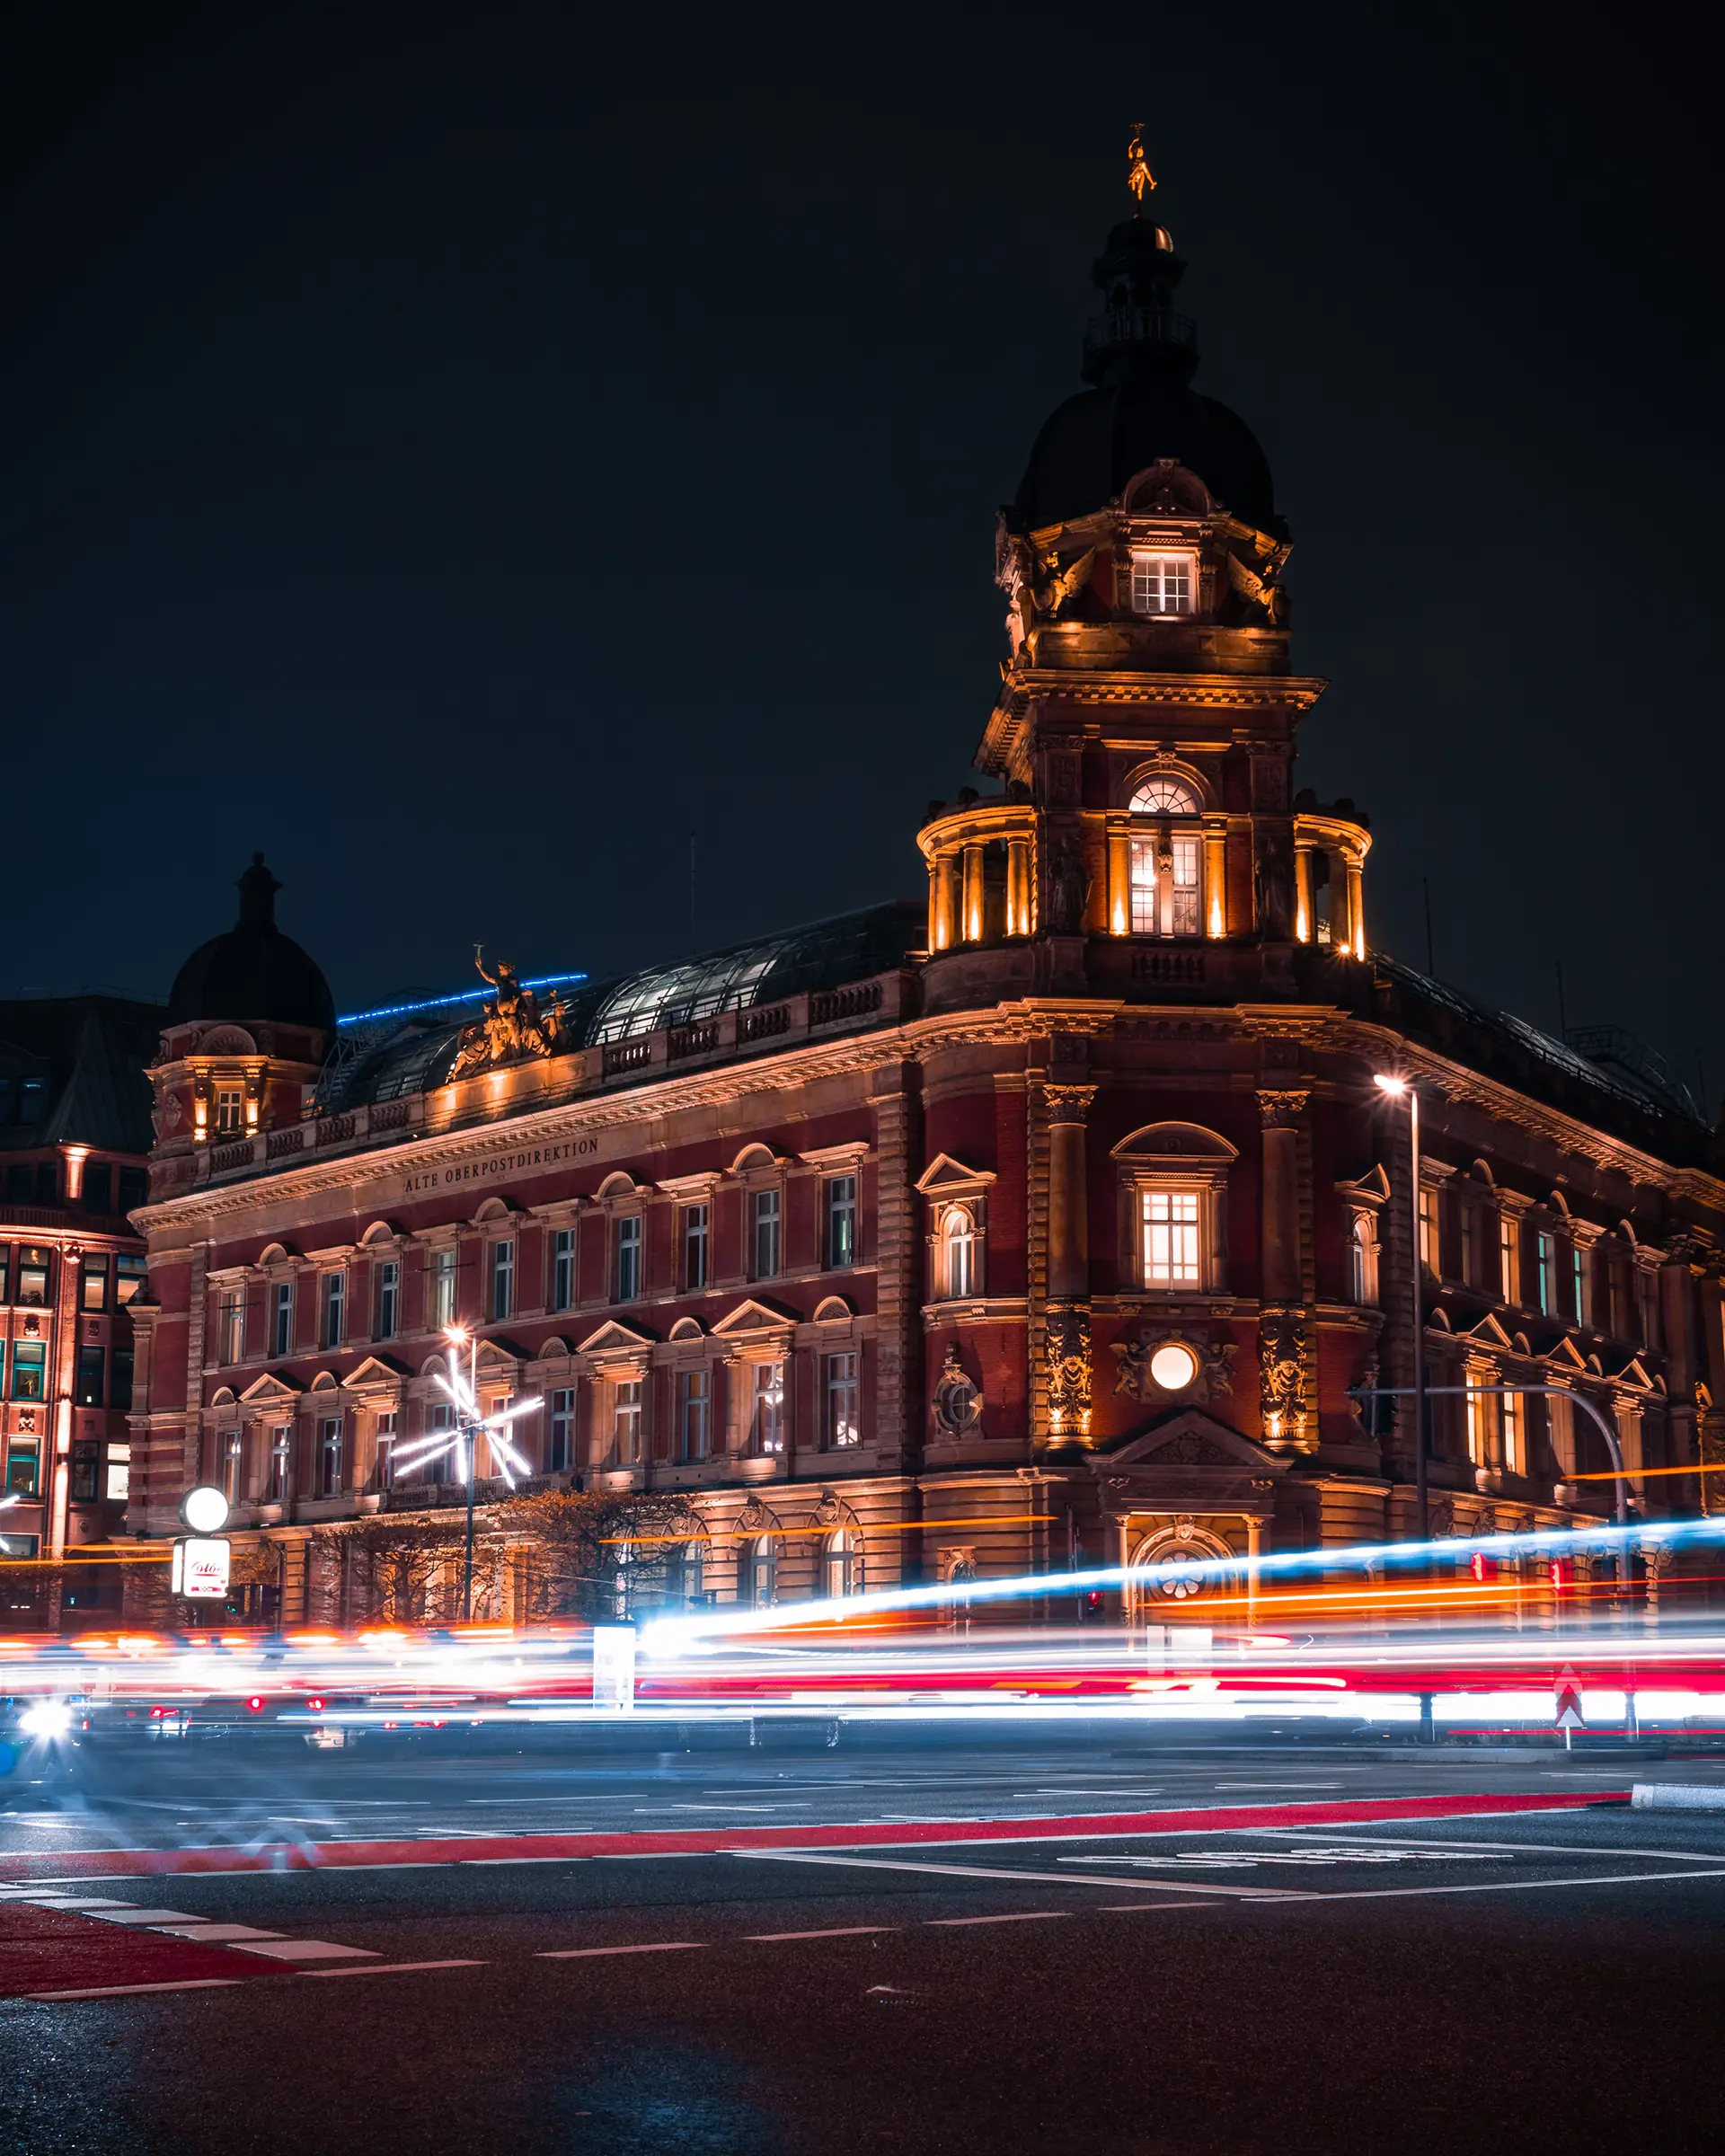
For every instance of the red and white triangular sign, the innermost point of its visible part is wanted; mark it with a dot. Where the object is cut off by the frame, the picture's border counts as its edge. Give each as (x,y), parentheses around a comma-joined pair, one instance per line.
(1568,1690)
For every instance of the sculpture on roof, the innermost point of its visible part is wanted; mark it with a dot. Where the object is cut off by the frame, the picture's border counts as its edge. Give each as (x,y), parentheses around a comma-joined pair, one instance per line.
(511,1026)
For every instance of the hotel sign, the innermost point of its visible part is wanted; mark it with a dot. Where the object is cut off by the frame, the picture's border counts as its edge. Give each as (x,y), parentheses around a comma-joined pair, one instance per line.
(498,1167)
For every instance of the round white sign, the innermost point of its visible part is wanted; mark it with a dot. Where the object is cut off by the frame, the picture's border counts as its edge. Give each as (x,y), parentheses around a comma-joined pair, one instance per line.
(205,1510)
(1173,1367)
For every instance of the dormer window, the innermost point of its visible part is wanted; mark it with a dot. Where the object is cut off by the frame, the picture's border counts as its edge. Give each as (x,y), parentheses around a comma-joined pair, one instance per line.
(1162,584)
(230,1111)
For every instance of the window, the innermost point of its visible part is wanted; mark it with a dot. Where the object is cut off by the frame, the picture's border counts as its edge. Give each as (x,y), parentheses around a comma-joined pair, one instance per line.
(385,1470)
(841,1565)
(766,1411)
(86,1473)
(90,1375)
(335,1297)
(281,1457)
(841,1422)
(92,1283)
(626,1271)
(20,1466)
(119,1474)
(281,1327)
(761,1572)
(841,1222)
(131,1269)
(1510,1405)
(563,1269)
(230,1327)
(1431,1254)
(1362,1259)
(230,1111)
(696,1237)
(1170,1238)
(625,1422)
(134,1187)
(1545,1272)
(764,1212)
(1510,1256)
(1162,583)
(686,1574)
(233,1446)
(438,1467)
(1471,1240)
(959,1252)
(502,1280)
(693,1412)
(1648,1286)
(1581,1284)
(1476,1425)
(389,1299)
(559,1449)
(119,1387)
(1165,886)
(5,1272)
(28,1361)
(34,1266)
(441,1265)
(98,1186)
(329,1456)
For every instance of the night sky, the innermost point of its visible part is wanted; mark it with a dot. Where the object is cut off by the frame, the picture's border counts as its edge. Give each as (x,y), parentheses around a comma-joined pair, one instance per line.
(462,451)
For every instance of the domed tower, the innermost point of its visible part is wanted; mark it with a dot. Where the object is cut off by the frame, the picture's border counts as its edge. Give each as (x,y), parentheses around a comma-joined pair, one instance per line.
(249,1020)
(1148,841)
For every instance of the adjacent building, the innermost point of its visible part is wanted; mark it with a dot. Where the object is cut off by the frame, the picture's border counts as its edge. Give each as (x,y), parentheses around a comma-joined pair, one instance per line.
(1054,1217)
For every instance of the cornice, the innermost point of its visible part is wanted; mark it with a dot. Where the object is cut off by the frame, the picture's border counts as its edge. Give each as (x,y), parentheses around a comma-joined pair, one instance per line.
(1223,692)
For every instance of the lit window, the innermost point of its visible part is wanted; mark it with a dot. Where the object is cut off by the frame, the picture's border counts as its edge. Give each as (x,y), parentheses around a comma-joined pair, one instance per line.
(627,1269)
(86,1468)
(841,1565)
(764,1209)
(281,1455)
(119,1474)
(625,1422)
(1581,1284)
(1170,1221)
(1362,1259)
(688,1574)
(1162,583)
(1164,880)
(389,1298)
(230,1111)
(335,1304)
(90,1375)
(92,1283)
(20,1466)
(959,1251)
(1510,1403)
(560,1451)
(563,1269)
(442,1298)
(386,1451)
(281,1329)
(230,1328)
(328,1457)
(1430,1245)
(841,1222)
(1164,796)
(1476,1426)
(841,1422)
(34,1266)
(502,1280)
(1510,1256)
(232,1448)
(131,1269)
(694,1246)
(766,1411)
(28,1361)
(762,1571)
(694,1412)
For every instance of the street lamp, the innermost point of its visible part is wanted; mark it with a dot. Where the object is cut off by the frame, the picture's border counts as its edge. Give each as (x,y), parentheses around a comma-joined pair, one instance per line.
(462,1441)
(1399,1089)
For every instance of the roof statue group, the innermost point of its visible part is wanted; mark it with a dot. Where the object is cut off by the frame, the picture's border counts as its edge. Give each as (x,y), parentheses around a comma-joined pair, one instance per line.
(511,1026)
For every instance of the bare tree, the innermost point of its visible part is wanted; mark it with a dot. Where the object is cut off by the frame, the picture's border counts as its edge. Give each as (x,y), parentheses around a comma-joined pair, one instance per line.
(599,1554)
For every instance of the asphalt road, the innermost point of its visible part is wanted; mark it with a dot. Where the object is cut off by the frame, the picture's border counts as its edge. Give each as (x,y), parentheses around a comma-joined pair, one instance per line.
(1541,1980)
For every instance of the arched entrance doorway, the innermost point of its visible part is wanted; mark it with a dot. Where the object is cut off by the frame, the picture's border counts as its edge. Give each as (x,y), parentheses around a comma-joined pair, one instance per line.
(1170,1582)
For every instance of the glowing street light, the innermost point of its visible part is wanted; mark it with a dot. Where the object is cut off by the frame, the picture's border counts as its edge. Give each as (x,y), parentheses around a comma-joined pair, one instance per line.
(461,1441)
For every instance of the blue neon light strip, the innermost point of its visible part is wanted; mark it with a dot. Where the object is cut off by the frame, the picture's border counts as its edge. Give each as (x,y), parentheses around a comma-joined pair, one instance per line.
(442,1002)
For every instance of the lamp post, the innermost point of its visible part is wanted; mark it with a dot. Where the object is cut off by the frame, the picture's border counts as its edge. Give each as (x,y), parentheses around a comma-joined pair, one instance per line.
(1399,1089)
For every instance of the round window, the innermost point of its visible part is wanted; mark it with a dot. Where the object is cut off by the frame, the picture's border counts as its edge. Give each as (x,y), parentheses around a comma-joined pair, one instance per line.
(1173,1367)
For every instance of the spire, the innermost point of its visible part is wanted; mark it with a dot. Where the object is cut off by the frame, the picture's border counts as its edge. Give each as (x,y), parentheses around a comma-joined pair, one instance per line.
(1137,273)
(257,888)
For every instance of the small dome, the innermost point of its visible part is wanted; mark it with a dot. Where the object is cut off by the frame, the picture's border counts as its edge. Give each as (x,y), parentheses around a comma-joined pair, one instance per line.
(253,973)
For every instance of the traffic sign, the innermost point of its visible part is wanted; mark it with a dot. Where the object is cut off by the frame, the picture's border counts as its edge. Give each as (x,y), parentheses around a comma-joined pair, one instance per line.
(1568,1703)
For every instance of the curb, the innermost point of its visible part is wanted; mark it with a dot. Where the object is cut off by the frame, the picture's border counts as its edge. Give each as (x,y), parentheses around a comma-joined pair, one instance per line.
(1678,1797)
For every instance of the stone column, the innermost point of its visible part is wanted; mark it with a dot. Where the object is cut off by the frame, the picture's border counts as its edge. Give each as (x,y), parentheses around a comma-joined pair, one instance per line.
(971,928)
(1066,1342)
(1305,919)
(1356,909)
(1119,879)
(1017,886)
(1280,1195)
(944,911)
(1215,884)
(1342,918)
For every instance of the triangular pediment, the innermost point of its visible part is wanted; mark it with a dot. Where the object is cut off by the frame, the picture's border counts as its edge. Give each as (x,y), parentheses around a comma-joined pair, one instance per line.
(375,1370)
(1634,1372)
(270,1387)
(945,1173)
(752,1315)
(1372,1187)
(615,1334)
(1488,1330)
(1567,1352)
(1187,1438)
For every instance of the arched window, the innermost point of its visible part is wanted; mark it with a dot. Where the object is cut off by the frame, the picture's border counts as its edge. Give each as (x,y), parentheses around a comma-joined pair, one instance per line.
(1362,1259)
(841,1565)
(959,1251)
(688,1575)
(761,1573)
(1164,866)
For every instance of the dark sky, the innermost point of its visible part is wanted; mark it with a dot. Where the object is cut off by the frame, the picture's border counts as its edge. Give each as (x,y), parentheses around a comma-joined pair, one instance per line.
(462,451)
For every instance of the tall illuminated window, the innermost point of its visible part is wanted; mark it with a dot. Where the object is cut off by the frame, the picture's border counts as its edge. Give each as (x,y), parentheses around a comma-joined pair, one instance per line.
(1511,1425)
(1169,1225)
(231,1329)
(1162,584)
(959,1252)
(766,1411)
(1164,867)
(1545,1271)
(1510,1256)
(841,1417)
(442,1298)
(1430,1247)
(625,1422)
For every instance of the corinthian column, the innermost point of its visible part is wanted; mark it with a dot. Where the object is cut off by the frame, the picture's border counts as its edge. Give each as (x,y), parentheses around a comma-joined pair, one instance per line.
(1067,1336)
(1281,1322)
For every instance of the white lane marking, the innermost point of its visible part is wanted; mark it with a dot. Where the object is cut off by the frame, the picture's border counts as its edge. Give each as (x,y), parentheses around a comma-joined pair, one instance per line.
(122,1991)
(306,1949)
(834,1931)
(1538,1848)
(392,1968)
(221,1932)
(475,1863)
(1276,1785)
(70,1901)
(1621,1878)
(658,1946)
(142,1916)
(977,1872)
(1019,1916)
(722,1808)
(1132,1908)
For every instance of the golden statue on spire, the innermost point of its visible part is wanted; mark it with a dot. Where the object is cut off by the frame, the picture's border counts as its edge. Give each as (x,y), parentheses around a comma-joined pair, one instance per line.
(1139,178)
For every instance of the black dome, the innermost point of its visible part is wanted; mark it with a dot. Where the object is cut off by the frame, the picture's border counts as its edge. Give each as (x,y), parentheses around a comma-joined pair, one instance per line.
(1139,356)
(1090,447)
(253,973)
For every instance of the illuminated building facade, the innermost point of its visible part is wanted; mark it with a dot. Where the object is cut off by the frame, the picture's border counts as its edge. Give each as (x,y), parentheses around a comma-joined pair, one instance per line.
(1055,1220)
(74,1138)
